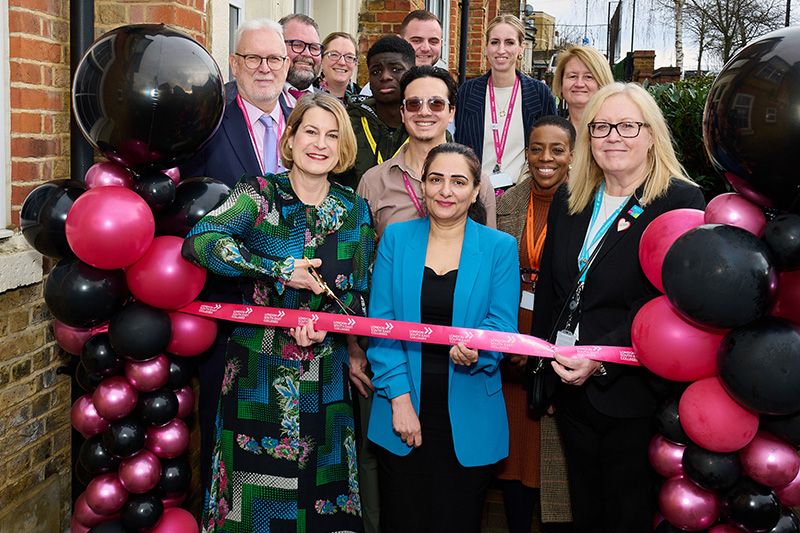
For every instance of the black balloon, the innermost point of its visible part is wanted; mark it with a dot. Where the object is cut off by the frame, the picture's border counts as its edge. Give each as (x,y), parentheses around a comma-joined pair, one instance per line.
(156,188)
(83,476)
(785,427)
(142,511)
(43,216)
(94,457)
(788,523)
(99,358)
(86,380)
(719,276)
(176,475)
(180,372)
(110,527)
(158,407)
(125,437)
(742,135)
(759,365)
(83,296)
(194,198)
(710,470)
(668,422)
(782,235)
(147,96)
(751,506)
(140,332)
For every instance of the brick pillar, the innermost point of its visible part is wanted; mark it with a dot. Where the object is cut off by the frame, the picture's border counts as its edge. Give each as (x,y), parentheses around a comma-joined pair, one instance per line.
(643,64)
(478,19)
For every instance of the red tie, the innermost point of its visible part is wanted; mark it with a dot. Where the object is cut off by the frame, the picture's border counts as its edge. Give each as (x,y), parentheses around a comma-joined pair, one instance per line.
(297,94)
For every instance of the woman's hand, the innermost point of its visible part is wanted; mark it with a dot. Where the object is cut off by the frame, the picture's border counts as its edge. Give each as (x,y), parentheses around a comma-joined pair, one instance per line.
(574,371)
(518,360)
(461,355)
(306,335)
(359,366)
(405,421)
(302,278)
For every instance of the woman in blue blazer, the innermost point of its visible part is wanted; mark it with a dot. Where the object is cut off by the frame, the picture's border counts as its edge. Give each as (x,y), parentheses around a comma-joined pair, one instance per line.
(438,413)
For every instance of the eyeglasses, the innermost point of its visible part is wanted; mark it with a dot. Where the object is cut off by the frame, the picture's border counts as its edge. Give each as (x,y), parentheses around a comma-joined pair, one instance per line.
(629,130)
(253,61)
(298,47)
(435,104)
(336,56)
(327,290)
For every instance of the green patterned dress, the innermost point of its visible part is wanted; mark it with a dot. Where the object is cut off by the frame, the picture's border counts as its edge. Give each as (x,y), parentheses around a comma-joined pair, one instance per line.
(284,459)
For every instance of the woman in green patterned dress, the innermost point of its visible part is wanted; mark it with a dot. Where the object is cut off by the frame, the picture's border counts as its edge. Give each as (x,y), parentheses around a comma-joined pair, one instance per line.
(285,458)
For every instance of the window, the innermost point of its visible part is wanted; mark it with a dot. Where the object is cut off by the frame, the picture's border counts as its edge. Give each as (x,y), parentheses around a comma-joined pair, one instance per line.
(742,107)
(441,8)
(5,129)
(304,7)
(235,17)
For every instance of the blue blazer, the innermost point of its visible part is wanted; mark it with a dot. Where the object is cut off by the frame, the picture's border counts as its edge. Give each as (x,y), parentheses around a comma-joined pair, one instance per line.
(537,102)
(486,297)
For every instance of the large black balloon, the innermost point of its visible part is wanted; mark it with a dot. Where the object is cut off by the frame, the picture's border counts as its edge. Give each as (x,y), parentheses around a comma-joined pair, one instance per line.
(158,407)
(719,276)
(86,380)
(82,296)
(176,476)
(668,422)
(94,457)
(180,372)
(751,506)
(752,119)
(788,523)
(142,511)
(43,216)
(786,427)
(98,357)
(711,470)
(155,188)
(194,198)
(759,365)
(147,96)
(782,235)
(125,437)
(110,527)
(140,332)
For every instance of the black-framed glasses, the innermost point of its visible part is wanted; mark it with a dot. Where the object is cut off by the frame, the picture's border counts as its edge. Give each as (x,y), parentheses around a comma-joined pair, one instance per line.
(298,47)
(435,104)
(336,56)
(626,129)
(253,61)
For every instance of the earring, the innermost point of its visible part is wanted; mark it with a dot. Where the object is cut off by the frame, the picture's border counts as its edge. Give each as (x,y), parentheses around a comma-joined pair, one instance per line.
(569,167)
(519,56)
(290,147)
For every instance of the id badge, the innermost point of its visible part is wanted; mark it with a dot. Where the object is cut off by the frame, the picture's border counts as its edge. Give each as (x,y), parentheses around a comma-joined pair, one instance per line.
(527,301)
(501,179)
(565,338)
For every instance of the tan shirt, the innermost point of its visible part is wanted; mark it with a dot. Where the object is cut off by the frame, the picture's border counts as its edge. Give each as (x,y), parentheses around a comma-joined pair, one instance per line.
(382,186)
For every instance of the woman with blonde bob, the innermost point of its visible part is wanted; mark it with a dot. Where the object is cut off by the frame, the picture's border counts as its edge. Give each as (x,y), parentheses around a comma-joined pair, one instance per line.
(580,72)
(299,241)
(591,285)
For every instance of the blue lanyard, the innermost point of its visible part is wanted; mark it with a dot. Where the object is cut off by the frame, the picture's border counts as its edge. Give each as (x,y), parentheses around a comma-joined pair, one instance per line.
(583,257)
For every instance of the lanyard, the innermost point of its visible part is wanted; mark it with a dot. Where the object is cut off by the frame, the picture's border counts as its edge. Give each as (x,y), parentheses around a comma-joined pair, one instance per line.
(500,142)
(413,195)
(534,247)
(278,133)
(373,144)
(583,257)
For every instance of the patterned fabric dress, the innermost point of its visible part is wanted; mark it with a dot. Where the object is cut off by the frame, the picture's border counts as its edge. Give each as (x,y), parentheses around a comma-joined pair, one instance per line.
(285,459)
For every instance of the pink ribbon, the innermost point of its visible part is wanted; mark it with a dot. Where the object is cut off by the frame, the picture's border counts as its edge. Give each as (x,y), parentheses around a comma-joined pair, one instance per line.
(408,331)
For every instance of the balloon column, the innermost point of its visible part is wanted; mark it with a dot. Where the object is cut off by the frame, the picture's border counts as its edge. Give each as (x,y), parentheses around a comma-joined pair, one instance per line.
(148,98)
(729,323)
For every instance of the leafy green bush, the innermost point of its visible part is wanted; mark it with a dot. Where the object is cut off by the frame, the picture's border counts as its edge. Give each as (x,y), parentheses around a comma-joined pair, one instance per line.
(682,104)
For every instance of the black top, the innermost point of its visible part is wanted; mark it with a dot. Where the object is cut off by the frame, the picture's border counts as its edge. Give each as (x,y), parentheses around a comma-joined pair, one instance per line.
(436,307)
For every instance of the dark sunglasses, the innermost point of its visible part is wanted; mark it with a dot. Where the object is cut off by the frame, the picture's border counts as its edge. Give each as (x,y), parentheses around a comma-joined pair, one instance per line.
(435,104)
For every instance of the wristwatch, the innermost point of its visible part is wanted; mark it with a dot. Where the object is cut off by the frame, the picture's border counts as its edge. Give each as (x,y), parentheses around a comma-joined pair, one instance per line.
(601,371)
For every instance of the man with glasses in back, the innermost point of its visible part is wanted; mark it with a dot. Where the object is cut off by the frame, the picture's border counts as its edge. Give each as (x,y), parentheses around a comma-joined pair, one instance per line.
(301,35)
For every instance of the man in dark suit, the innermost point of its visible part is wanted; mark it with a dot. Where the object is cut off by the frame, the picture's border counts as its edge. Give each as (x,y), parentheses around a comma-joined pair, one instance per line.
(301,35)
(259,64)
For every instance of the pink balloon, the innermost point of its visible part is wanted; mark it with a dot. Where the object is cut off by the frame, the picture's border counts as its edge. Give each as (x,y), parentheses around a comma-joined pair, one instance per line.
(174,501)
(85,417)
(69,338)
(671,347)
(135,152)
(105,174)
(185,401)
(687,506)
(744,188)
(176,520)
(714,420)
(163,278)
(170,440)
(105,494)
(770,460)
(86,516)
(140,473)
(110,227)
(148,376)
(735,210)
(789,494)
(787,303)
(77,527)
(666,456)
(725,528)
(174,174)
(115,398)
(191,335)
(659,236)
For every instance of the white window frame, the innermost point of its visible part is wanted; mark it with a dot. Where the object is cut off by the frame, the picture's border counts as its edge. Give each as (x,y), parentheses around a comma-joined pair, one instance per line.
(5,128)
(441,8)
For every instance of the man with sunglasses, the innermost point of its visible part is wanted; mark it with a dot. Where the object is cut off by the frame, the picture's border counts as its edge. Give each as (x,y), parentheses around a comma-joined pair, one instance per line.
(301,35)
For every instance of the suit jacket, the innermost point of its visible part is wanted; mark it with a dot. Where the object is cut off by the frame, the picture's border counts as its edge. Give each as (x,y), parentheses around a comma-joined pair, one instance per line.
(614,291)
(486,296)
(537,102)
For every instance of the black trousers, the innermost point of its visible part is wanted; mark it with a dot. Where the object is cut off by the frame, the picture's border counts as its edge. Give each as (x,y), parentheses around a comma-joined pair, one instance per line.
(610,478)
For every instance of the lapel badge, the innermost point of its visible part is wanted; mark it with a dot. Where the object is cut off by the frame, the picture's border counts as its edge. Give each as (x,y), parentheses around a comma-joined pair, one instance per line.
(635,211)
(623,224)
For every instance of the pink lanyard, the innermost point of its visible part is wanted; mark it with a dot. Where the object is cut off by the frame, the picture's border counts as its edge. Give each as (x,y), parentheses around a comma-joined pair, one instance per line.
(500,143)
(278,133)
(413,195)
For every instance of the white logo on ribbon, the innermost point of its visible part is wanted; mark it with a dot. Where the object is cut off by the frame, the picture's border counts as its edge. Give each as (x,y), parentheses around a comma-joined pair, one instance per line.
(344,326)
(274,318)
(241,314)
(210,309)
